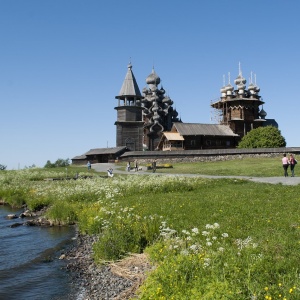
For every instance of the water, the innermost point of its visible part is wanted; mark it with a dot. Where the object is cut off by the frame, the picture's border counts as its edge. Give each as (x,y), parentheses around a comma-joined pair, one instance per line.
(29,264)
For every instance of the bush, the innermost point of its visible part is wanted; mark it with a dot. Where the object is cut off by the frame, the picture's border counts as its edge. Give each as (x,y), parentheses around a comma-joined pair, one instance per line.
(263,137)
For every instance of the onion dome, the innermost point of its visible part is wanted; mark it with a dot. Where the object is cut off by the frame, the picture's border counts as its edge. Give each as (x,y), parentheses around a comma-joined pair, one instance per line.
(167,100)
(241,86)
(262,113)
(162,91)
(252,88)
(145,90)
(240,80)
(229,89)
(153,78)
(223,90)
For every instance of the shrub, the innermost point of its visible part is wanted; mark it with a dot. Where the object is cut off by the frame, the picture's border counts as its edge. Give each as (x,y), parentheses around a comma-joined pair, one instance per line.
(263,137)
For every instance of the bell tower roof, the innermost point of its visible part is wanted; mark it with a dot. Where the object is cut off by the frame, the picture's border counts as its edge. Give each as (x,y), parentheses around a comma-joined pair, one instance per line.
(130,86)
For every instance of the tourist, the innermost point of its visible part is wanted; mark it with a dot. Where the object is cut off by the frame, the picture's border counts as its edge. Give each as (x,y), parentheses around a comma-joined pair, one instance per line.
(136,165)
(89,165)
(154,166)
(110,172)
(128,166)
(285,164)
(293,162)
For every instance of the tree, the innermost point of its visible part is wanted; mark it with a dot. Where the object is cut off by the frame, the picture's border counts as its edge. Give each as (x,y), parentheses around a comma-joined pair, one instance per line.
(59,163)
(2,167)
(263,137)
(62,162)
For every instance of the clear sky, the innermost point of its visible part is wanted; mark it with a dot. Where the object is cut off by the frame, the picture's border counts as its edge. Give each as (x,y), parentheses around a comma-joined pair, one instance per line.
(62,62)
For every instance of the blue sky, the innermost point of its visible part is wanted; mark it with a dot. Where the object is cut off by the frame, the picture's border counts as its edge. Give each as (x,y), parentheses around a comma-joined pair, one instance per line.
(63,62)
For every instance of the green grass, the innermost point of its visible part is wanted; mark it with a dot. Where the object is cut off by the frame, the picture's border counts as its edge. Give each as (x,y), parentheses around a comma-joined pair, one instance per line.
(168,217)
(256,167)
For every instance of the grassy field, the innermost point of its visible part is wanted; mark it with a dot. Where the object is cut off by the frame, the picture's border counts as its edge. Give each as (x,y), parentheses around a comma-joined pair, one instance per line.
(256,167)
(208,238)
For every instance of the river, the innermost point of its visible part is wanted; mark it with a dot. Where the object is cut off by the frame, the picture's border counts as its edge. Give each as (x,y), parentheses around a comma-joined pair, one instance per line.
(29,264)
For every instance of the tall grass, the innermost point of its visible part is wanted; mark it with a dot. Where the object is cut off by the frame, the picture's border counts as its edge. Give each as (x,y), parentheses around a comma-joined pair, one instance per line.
(208,238)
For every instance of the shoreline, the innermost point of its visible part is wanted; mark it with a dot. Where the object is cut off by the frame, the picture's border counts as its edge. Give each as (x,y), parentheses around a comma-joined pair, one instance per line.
(89,281)
(110,281)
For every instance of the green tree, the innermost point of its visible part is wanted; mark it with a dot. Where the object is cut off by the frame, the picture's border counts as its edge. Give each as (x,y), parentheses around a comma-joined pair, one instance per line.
(59,163)
(49,164)
(62,162)
(263,137)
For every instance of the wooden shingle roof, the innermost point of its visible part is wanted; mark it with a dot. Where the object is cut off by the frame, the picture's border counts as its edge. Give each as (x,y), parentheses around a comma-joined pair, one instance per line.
(203,129)
(130,86)
(113,150)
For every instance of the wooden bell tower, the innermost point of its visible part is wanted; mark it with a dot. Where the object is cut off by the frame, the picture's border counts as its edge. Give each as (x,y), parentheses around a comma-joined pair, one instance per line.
(129,124)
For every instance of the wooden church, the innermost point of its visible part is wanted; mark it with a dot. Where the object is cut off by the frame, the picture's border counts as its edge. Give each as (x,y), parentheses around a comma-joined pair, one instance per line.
(148,121)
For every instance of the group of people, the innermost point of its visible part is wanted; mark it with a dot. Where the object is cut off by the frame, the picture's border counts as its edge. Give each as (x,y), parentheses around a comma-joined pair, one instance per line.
(289,161)
(136,166)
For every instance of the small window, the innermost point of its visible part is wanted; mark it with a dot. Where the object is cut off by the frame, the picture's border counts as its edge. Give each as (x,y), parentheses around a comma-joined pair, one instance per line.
(208,142)
(193,142)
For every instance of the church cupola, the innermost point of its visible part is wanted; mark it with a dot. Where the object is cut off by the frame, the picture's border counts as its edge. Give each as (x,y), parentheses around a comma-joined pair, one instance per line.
(240,82)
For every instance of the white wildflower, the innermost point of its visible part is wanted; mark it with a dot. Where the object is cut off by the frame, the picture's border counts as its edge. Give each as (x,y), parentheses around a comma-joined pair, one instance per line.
(195,230)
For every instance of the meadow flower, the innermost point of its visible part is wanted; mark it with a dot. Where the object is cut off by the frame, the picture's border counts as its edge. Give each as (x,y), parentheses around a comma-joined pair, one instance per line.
(195,248)
(185,232)
(206,262)
(208,226)
(216,226)
(195,230)
(205,233)
(184,252)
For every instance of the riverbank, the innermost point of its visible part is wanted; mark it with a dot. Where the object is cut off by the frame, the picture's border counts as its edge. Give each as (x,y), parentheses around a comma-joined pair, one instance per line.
(110,281)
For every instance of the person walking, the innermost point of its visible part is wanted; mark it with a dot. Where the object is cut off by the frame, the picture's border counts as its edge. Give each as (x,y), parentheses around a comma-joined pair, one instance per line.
(89,165)
(154,166)
(293,162)
(136,165)
(285,165)
(128,166)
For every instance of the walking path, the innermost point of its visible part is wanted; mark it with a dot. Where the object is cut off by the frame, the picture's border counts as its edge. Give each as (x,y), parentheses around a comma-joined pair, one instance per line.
(102,167)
